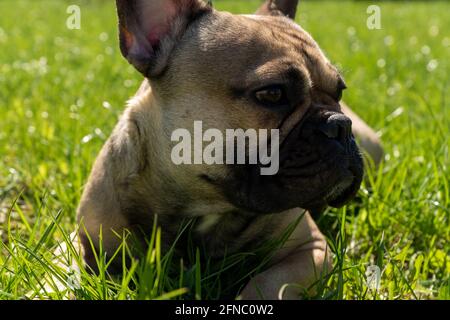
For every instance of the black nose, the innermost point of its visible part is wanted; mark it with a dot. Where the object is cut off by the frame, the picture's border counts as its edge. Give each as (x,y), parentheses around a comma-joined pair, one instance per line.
(337,126)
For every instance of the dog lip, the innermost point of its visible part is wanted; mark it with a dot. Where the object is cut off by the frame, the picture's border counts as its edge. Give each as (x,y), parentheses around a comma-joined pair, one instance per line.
(341,198)
(339,189)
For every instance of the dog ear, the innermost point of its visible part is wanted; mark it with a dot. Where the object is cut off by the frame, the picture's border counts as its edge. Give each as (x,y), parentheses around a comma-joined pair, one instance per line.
(274,7)
(149,29)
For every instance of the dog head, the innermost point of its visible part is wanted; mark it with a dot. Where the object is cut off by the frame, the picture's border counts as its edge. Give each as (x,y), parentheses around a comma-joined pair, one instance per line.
(245,71)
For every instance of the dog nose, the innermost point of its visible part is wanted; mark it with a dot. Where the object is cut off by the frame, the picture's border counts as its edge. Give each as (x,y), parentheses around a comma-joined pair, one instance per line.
(337,126)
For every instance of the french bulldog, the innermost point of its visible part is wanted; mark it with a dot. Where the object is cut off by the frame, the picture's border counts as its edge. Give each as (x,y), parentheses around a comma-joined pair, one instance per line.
(259,71)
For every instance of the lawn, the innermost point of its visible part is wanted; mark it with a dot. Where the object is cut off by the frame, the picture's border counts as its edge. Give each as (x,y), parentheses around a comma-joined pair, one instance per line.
(61,92)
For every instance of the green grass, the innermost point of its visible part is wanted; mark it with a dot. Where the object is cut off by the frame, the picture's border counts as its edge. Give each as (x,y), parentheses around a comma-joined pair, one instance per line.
(61,93)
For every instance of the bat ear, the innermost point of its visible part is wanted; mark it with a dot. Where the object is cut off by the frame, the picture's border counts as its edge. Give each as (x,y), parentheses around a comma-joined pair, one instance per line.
(275,7)
(149,30)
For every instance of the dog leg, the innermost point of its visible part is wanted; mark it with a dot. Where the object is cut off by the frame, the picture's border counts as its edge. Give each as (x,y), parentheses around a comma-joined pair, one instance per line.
(299,264)
(100,212)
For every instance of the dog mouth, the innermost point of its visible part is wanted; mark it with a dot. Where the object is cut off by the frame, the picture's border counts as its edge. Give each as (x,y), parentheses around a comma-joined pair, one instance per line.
(313,186)
(338,192)
(341,193)
(343,185)
(333,182)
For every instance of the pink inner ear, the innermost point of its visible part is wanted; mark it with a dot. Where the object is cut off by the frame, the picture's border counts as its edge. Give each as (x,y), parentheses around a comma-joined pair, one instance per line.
(156,34)
(157,17)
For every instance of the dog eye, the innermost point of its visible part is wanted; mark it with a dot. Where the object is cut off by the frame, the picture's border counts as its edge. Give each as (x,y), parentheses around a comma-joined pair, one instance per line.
(271,96)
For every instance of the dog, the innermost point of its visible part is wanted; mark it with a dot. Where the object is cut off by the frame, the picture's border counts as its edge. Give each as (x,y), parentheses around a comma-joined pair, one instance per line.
(259,71)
